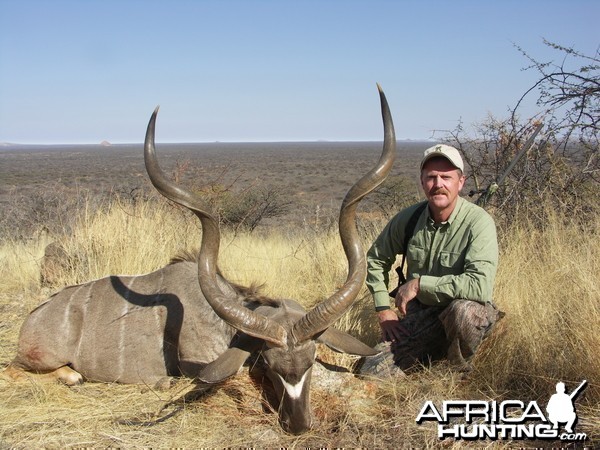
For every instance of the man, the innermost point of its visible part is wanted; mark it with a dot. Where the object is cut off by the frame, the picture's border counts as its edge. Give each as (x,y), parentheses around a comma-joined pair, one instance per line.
(452,256)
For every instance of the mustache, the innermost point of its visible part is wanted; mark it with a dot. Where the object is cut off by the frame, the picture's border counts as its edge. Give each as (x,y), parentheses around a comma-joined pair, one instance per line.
(439,191)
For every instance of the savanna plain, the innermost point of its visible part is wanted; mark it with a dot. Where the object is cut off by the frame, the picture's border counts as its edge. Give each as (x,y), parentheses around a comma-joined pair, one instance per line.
(96,204)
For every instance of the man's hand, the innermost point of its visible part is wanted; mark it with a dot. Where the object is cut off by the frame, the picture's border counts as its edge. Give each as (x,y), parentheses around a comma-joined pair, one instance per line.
(390,325)
(407,292)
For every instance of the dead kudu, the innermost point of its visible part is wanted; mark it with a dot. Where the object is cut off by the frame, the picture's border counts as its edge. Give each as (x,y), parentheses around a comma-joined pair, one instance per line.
(187,320)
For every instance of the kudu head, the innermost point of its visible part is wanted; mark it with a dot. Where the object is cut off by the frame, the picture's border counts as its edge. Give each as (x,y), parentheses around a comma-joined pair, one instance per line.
(282,331)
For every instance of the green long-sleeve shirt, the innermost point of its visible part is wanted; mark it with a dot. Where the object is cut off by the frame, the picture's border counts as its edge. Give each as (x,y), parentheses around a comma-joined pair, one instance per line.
(457,259)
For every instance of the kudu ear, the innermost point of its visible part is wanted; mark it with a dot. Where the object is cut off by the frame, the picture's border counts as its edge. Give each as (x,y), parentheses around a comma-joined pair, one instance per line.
(229,362)
(342,342)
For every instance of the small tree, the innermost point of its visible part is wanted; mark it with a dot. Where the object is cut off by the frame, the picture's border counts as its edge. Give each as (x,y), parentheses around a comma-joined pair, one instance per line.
(236,207)
(249,208)
(570,98)
(561,171)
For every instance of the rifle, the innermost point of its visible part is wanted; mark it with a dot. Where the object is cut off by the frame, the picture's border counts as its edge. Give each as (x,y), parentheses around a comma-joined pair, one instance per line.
(486,194)
(574,394)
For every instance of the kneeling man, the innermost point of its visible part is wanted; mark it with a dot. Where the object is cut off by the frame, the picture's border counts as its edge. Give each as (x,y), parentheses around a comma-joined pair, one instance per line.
(445,304)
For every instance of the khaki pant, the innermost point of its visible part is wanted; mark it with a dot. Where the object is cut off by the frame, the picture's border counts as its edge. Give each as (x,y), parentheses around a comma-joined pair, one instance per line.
(432,333)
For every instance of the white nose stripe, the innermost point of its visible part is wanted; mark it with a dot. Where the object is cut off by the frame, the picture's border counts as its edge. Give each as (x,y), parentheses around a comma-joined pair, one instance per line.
(293,390)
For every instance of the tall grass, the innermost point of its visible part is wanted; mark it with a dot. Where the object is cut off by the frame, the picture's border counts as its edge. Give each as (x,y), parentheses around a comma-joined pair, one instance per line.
(127,239)
(20,266)
(547,284)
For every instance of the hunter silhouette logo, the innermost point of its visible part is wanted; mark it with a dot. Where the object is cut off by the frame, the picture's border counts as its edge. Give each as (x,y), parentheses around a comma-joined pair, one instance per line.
(509,419)
(560,406)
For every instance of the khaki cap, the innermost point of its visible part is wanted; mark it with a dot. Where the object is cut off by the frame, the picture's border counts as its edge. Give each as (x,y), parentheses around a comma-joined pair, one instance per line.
(446,151)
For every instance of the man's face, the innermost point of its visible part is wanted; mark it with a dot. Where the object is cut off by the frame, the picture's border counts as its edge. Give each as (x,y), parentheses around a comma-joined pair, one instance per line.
(441,182)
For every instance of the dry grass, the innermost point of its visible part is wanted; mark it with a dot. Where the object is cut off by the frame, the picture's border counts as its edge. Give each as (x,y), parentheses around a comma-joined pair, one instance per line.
(127,239)
(547,284)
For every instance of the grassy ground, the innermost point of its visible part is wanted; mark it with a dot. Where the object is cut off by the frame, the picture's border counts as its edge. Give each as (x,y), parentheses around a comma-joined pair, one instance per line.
(547,284)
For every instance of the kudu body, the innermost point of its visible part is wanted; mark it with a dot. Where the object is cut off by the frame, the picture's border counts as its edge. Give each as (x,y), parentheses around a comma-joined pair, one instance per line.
(186,319)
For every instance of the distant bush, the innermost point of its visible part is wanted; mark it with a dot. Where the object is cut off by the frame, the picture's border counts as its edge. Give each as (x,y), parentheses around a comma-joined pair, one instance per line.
(244,209)
(236,207)
(51,210)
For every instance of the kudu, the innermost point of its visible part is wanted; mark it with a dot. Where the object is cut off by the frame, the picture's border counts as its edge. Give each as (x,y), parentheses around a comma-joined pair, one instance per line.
(186,319)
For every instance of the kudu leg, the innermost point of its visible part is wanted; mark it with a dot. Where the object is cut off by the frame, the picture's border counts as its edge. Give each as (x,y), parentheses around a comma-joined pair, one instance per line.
(63,374)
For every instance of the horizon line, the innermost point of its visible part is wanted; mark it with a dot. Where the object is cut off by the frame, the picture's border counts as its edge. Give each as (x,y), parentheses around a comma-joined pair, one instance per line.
(291,141)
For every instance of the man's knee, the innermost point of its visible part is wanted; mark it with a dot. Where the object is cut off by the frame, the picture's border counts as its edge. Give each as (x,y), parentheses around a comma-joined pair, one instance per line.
(462,315)
(467,323)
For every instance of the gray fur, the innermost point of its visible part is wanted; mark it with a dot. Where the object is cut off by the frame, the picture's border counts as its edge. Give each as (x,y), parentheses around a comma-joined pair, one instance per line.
(128,329)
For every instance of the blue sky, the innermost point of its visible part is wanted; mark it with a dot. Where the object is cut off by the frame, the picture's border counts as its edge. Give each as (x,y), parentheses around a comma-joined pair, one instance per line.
(87,71)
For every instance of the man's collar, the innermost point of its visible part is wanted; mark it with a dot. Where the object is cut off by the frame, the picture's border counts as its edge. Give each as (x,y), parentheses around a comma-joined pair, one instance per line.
(457,207)
(459,204)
